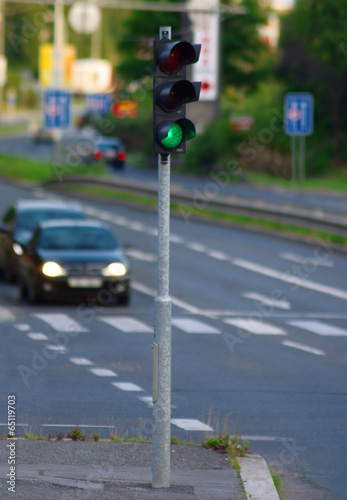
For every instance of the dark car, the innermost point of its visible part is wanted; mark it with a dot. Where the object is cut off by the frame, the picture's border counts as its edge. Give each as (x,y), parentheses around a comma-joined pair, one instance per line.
(74,259)
(19,222)
(110,150)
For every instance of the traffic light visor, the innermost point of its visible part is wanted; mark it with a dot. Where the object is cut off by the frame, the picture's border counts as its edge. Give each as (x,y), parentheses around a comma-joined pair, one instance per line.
(175,55)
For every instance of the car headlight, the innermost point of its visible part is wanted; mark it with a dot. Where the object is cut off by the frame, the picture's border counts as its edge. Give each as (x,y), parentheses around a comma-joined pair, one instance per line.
(115,269)
(52,269)
(18,250)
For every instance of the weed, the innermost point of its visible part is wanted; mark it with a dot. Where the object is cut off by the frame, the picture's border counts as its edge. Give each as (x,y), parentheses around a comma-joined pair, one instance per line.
(76,434)
(232,446)
(96,436)
(60,436)
(278,484)
(29,435)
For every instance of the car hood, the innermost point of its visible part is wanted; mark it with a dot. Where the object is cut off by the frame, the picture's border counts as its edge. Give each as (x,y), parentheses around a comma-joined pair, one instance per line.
(83,256)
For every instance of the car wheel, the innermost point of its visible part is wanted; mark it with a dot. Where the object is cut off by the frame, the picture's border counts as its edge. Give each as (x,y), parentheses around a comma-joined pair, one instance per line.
(124,299)
(23,290)
(34,294)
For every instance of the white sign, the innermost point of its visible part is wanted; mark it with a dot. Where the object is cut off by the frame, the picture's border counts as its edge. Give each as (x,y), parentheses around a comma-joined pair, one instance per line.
(3,70)
(84,18)
(206,32)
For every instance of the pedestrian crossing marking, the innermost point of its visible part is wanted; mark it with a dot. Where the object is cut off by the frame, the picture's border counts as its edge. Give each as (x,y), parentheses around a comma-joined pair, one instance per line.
(23,327)
(267,301)
(81,361)
(139,255)
(319,328)
(255,326)
(61,323)
(37,336)
(127,386)
(127,324)
(189,325)
(103,372)
(191,424)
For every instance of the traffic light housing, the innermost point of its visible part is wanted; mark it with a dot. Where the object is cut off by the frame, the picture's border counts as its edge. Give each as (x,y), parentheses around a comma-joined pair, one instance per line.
(171,92)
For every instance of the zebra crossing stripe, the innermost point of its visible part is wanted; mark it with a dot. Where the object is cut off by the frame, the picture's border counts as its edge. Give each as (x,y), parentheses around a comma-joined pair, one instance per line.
(61,323)
(303,347)
(319,328)
(37,336)
(255,326)
(103,372)
(127,324)
(191,424)
(127,386)
(81,361)
(189,325)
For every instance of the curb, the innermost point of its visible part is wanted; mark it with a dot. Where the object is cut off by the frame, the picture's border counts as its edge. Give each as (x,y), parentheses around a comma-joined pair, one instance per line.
(257,479)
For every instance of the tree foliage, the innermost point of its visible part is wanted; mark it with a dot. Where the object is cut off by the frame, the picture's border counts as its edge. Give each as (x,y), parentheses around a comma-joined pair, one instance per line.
(314,59)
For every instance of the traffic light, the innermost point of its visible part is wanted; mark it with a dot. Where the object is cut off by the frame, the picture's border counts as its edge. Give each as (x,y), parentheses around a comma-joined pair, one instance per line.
(171,92)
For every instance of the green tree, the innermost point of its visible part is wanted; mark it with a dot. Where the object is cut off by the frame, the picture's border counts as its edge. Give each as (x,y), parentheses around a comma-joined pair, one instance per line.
(314,58)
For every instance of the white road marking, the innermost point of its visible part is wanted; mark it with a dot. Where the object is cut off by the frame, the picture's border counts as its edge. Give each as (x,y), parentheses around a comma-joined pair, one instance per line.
(139,255)
(303,347)
(127,324)
(189,325)
(306,261)
(37,336)
(59,348)
(190,424)
(267,301)
(247,437)
(136,226)
(294,280)
(319,328)
(79,425)
(196,247)
(23,327)
(61,322)
(218,255)
(127,386)
(255,326)
(177,302)
(174,238)
(146,399)
(81,361)
(103,372)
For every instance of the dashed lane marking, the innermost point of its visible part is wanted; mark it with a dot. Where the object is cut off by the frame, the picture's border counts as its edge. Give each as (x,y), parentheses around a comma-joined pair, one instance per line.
(319,328)
(302,347)
(307,261)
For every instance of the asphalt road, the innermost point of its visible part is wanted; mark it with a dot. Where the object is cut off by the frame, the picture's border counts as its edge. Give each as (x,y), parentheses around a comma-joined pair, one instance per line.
(201,189)
(259,343)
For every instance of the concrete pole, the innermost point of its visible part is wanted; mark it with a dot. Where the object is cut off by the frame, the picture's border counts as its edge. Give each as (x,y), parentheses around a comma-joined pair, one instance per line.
(162,335)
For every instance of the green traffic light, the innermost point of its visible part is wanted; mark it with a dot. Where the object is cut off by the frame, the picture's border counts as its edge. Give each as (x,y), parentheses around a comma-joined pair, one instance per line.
(174,136)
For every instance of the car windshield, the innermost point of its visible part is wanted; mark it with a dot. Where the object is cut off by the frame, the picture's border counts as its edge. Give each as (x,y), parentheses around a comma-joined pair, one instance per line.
(29,219)
(77,238)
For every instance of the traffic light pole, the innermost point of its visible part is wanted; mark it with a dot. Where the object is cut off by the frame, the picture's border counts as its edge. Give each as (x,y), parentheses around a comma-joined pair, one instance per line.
(162,336)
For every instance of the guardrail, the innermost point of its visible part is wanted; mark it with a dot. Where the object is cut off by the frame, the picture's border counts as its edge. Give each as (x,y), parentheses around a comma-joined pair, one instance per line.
(315,219)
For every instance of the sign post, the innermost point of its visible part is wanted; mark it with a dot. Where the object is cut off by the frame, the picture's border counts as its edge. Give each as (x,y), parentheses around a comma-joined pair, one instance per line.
(298,122)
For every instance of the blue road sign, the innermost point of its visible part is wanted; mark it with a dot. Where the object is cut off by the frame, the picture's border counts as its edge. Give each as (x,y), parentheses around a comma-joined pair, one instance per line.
(56,109)
(298,113)
(100,103)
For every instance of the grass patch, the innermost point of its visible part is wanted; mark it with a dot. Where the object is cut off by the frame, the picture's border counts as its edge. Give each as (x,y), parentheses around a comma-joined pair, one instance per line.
(335,181)
(278,485)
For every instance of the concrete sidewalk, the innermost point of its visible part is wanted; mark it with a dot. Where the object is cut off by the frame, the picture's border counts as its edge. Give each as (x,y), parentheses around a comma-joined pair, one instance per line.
(67,470)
